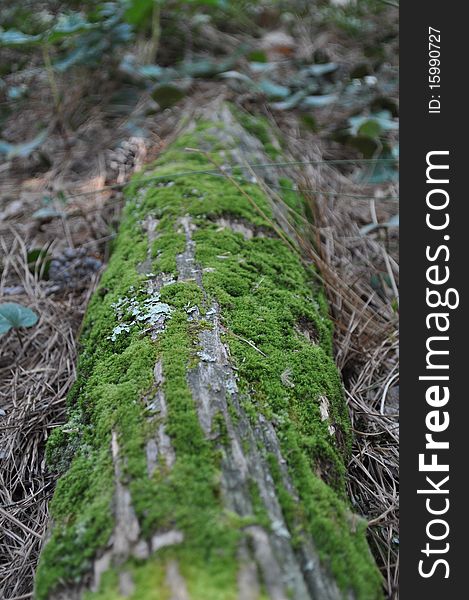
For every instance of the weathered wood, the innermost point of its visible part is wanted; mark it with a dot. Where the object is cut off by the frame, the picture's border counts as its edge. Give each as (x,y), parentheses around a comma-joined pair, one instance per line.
(204,457)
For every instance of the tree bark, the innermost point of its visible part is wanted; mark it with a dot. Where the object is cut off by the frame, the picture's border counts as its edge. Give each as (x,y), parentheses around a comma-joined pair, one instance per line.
(204,456)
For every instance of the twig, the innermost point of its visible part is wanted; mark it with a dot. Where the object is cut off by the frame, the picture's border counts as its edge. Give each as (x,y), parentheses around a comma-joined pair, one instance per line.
(249,343)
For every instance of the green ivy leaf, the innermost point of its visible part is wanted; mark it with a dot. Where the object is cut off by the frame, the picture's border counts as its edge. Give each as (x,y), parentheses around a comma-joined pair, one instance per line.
(47,213)
(274,90)
(370,128)
(373,125)
(290,102)
(240,77)
(167,95)
(138,12)
(13,315)
(258,56)
(12,38)
(66,26)
(39,260)
(318,101)
(321,69)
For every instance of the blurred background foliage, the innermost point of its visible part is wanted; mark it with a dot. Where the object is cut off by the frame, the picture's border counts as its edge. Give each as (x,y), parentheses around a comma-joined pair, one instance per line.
(162,46)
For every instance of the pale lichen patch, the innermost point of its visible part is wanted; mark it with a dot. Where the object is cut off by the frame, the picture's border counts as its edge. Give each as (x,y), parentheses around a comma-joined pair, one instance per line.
(324,406)
(131,311)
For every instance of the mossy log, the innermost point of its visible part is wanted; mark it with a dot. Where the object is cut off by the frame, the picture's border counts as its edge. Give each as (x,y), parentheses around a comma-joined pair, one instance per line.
(204,455)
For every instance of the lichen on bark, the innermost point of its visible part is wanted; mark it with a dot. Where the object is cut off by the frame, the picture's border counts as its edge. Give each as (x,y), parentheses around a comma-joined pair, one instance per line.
(208,433)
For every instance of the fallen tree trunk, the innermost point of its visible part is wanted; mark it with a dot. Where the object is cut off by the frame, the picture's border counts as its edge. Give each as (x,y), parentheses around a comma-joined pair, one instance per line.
(204,456)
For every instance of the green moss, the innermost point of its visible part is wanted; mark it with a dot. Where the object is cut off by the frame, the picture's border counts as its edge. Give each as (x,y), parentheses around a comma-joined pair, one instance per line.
(341,542)
(62,445)
(260,515)
(81,507)
(112,375)
(299,211)
(266,296)
(182,295)
(264,292)
(147,578)
(187,497)
(260,128)
(204,581)
(292,510)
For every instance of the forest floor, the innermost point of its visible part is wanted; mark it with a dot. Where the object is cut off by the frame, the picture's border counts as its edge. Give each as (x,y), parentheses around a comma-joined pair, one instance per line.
(326,78)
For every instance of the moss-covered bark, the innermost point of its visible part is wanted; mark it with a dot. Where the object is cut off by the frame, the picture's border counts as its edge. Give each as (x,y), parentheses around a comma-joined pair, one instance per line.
(204,457)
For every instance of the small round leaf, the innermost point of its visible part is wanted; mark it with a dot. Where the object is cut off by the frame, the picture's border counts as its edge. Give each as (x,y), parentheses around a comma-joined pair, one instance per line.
(14,315)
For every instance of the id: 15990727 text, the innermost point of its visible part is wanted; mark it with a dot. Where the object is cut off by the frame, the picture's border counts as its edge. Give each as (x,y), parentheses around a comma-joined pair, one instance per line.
(434,70)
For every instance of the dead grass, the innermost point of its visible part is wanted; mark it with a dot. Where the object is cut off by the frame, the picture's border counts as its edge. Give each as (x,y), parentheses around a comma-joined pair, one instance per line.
(35,380)
(36,376)
(361,276)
